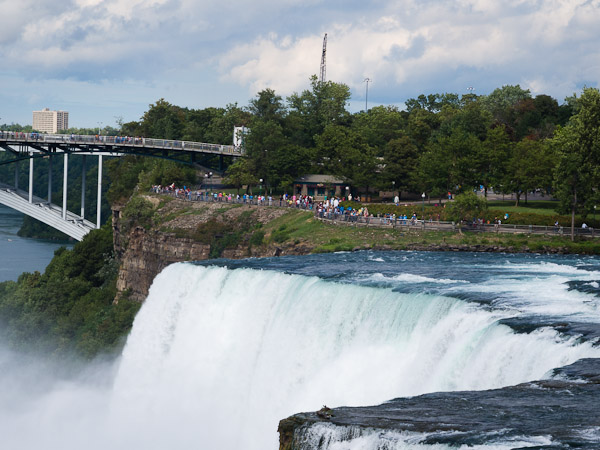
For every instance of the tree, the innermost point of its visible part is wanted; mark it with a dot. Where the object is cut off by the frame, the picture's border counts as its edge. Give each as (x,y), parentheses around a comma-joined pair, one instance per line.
(345,153)
(529,167)
(263,144)
(491,159)
(449,164)
(220,130)
(467,206)
(503,102)
(325,104)
(379,126)
(163,121)
(432,102)
(577,145)
(267,106)
(198,123)
(472,118)
(400,165)
(240,173)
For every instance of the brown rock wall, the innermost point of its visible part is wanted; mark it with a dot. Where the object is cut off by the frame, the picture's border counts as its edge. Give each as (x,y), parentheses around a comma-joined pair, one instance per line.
(147,254)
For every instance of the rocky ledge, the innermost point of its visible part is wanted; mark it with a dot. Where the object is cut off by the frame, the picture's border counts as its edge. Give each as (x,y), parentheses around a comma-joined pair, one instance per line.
(558,413)
(182,233)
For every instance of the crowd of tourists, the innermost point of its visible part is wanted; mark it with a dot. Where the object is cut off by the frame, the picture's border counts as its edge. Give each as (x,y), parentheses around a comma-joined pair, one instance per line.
(187,193)
(328,208)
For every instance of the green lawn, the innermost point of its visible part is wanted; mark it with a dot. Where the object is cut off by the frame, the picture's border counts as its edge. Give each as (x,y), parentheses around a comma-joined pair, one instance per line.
(543,207)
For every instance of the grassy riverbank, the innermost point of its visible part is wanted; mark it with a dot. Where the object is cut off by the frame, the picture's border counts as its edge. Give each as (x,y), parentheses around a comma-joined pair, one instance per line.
(301,228)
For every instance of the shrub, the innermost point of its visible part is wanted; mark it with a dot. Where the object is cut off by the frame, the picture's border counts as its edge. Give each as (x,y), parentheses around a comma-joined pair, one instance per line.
(257,238)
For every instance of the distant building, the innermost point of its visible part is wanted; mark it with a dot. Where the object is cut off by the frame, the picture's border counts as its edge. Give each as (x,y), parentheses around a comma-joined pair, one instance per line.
(47,121)
(320,186)
(239,136)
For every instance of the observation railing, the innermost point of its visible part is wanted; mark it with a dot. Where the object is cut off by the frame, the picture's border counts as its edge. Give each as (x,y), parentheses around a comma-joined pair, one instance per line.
(382,222)
(163,144)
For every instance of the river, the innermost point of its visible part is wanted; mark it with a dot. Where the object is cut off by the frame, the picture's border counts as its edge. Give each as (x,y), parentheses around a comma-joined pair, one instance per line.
(222,350)
(19,254)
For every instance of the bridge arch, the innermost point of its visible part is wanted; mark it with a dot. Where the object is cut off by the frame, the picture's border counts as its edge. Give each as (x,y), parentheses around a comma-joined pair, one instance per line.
(32,146)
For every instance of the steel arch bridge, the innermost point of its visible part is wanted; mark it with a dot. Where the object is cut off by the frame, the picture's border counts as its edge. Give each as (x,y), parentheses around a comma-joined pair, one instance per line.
(31,146)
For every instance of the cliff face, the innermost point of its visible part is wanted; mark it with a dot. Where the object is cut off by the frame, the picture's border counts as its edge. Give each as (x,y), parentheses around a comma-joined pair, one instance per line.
(148,254)
(188,231)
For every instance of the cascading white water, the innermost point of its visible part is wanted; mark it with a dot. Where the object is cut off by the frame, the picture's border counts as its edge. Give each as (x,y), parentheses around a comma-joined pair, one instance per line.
(217,357)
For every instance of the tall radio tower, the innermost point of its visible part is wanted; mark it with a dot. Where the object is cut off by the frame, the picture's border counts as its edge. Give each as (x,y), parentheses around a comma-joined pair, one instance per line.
(323,68)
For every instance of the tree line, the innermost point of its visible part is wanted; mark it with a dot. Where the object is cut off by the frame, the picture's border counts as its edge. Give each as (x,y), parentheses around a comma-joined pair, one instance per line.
(508,141)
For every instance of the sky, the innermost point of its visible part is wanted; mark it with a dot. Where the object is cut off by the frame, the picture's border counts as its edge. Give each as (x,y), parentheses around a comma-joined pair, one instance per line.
(108,60)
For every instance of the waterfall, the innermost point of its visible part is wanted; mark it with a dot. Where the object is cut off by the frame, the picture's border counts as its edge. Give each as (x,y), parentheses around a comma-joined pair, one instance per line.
(218,356)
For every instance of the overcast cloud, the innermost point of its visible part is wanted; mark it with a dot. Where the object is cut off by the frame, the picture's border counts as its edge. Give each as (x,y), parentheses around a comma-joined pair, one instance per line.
(102,59)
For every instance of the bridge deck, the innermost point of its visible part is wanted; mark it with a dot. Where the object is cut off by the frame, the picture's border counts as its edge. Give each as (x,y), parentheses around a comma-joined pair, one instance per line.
(51,214)
(112,143)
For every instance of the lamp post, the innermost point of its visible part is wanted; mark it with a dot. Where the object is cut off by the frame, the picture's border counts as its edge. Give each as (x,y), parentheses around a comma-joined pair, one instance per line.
(367,80)
(423,202)
(260,192)
(393,190)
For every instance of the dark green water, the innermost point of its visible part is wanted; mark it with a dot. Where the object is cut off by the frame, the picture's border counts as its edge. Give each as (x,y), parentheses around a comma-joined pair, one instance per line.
(17,254)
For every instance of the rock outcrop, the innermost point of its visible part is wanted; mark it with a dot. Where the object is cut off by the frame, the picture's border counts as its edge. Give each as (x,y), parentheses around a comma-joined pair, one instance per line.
(554,413)
(180,234)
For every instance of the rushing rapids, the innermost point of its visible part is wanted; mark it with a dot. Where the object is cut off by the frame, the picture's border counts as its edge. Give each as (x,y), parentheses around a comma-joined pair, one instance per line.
(220,352)
(233,351)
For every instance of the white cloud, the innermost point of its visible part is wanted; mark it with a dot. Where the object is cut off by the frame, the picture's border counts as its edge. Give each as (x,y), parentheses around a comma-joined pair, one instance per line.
(525,38)
(406,47)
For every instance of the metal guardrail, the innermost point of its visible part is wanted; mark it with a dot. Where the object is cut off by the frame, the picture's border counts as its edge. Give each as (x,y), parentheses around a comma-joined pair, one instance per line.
(451,226)
(384,222)
(124,141)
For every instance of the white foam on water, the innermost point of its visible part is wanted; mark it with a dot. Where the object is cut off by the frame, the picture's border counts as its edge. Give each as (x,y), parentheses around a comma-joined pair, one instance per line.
(409,278)
(542,267)
(219,356)
(547,295)
(324,436)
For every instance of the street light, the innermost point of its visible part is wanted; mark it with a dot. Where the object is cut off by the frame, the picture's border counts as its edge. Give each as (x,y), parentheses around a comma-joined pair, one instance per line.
(208,177)
(423,199)
(261,180)
(393,189)
(367,80)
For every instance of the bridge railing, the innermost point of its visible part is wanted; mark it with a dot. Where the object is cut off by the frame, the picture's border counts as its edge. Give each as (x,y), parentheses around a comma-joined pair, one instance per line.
(119,140)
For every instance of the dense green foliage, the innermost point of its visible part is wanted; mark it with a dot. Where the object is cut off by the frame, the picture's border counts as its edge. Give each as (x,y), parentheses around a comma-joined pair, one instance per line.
(508,141)
(128,172)
(69,308)
(466,206)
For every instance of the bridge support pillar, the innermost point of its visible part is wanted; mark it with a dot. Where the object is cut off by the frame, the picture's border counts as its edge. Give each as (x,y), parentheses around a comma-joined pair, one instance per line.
(50,179)
(30,178)
(17,175)
(99,206)
(83,169)
(65,171)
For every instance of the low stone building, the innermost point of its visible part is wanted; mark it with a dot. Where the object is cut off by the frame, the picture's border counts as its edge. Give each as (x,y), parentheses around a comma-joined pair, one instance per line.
(321,186)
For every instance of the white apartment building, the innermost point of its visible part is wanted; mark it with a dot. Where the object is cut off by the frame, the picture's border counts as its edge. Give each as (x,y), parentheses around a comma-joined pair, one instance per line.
(47,121)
